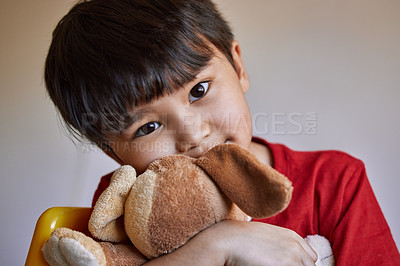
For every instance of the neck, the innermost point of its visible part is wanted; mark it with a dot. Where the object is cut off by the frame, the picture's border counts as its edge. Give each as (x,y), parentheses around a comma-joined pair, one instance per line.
(262,152)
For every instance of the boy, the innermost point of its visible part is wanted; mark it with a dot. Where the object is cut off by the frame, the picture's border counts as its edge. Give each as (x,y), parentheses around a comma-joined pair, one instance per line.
(147,78)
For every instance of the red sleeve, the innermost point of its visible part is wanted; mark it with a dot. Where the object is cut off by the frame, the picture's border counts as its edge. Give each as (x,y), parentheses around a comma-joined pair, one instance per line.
(332,197)
(360,234)
(104,183)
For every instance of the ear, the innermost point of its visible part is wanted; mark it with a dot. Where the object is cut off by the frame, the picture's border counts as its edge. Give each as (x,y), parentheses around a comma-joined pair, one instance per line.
(256,188)
(106,221)
(239,65)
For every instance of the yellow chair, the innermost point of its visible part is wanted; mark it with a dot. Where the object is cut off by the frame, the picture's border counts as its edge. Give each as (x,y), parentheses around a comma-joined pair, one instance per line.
(72,217)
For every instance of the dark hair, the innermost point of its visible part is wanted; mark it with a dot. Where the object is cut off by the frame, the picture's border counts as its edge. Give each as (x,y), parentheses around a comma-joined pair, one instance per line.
(109,55)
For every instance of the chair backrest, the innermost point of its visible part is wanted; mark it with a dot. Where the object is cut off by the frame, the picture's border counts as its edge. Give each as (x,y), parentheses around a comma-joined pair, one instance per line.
(75,218)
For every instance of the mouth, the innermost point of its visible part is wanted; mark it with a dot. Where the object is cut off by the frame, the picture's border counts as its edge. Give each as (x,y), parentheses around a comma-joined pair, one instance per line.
(203,148)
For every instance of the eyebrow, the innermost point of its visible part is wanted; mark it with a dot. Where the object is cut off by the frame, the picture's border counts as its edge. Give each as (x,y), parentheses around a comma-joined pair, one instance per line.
(204,72)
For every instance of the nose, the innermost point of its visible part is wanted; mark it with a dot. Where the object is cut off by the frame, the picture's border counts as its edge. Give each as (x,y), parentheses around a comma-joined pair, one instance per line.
(193,128)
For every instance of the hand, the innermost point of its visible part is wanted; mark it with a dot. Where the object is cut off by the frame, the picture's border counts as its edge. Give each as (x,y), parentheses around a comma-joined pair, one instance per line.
(254,243)
(242,243)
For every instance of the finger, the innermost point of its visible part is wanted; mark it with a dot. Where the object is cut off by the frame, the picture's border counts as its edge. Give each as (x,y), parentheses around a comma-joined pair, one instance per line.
(307,261)
(307,248)
(306,254)
(310,252)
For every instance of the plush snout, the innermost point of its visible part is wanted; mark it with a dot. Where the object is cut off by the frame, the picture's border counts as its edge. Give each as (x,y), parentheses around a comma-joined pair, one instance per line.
(171,202)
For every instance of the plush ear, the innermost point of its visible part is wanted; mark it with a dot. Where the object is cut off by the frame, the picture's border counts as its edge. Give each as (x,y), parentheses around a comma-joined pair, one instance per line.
(256,188)
(106,221)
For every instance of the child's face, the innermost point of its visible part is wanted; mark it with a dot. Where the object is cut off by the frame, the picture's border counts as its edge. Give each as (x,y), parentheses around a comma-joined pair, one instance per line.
(208,111)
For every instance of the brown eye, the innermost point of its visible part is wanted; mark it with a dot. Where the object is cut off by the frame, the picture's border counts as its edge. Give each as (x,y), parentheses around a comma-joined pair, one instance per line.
(147,129)
(198,91)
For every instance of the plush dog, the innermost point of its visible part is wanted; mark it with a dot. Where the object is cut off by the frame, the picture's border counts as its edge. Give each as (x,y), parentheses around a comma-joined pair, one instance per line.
(143,217)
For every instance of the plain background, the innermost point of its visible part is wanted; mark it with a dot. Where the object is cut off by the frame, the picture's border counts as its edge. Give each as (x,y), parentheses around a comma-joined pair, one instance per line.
(324,75)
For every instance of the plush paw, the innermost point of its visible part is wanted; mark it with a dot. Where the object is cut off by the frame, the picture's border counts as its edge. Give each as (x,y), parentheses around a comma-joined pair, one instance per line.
(69,247)
(323,248)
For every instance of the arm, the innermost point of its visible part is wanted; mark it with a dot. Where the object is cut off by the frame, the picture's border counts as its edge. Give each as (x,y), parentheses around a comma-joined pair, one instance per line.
(361,235)
(242,243)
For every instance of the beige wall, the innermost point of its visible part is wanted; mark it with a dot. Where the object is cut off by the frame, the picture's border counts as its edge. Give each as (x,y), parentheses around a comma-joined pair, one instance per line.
(39,166)
(336,59)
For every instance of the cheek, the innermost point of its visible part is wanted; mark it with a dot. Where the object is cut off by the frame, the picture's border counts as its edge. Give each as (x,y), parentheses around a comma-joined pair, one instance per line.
(235,116)
(240,122)
(141,154)
(138,155)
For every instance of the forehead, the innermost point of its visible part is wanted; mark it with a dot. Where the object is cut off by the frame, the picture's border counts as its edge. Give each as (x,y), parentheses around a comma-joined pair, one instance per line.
(214,65)
(217,64)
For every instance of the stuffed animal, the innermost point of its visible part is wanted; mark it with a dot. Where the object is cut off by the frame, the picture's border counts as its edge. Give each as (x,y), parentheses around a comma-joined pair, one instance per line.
(143,217)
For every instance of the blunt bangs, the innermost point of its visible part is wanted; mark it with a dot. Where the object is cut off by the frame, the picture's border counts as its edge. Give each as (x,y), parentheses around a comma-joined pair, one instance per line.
(108,56)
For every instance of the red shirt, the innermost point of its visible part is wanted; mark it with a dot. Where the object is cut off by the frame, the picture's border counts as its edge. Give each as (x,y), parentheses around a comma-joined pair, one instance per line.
(332,197)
